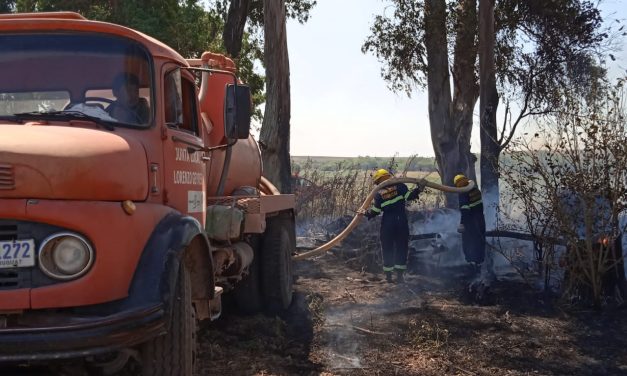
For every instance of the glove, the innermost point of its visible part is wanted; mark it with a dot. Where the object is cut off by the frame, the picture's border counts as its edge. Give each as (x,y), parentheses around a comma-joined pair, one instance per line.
(369,214)
(413,195)
(461,228)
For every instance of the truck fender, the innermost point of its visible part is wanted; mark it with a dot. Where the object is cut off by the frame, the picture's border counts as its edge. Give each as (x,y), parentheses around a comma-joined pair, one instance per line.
(177,238)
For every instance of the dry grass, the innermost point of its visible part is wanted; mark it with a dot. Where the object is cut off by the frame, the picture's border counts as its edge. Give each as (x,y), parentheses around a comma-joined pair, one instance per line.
(328,195)
(424,334)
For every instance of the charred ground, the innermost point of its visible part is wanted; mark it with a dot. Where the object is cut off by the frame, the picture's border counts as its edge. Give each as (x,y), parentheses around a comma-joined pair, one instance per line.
(348,322)
(345,320)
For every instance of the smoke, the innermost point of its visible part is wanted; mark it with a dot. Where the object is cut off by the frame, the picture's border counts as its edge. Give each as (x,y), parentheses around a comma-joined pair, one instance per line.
(441,256)
(342,342)
(505,258)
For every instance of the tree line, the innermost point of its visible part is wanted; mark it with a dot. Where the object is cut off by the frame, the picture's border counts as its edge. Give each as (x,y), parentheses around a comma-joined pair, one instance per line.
(366,163)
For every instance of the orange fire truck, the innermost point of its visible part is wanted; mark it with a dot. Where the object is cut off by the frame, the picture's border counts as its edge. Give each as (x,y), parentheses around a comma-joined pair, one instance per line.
(131,197)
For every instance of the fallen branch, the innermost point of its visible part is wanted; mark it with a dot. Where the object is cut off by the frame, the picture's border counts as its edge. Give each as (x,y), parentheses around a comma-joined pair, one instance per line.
(363,330)
(463,370)
(412,291)
(351,295)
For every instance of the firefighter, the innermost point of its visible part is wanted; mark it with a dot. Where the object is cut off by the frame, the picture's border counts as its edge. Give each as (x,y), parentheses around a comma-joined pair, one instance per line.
(472,225)
(128,107)
(394,227)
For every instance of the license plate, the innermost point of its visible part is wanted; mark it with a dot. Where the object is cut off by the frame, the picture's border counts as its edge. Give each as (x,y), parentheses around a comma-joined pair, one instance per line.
(17,253)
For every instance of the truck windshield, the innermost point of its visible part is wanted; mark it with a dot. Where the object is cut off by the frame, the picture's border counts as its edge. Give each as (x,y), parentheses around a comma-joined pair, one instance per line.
(105,77)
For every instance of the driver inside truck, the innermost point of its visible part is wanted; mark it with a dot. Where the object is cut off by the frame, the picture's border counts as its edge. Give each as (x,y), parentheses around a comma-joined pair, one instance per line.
(128,107)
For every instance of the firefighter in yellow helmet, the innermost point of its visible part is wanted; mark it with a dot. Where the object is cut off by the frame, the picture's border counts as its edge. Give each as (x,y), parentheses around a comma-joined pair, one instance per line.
(394,227)
(472,224)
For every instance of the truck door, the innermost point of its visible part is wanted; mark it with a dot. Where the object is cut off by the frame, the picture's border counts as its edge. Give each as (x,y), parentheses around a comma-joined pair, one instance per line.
(184,172)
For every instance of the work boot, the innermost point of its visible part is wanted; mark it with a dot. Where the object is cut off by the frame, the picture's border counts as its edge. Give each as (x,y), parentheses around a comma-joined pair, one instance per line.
(388,277)
(399,277)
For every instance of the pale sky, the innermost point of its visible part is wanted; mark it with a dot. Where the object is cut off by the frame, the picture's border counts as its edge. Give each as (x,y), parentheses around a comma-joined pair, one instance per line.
(341,105)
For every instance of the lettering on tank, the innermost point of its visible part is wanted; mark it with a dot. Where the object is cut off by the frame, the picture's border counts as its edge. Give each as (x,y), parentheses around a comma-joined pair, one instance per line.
(188,177)
(183,155)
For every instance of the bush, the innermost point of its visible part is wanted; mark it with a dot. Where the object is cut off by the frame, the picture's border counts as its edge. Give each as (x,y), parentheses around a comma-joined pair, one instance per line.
(569,182)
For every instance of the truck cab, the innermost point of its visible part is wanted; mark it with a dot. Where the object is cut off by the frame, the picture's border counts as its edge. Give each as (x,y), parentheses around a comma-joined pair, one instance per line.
(132,196)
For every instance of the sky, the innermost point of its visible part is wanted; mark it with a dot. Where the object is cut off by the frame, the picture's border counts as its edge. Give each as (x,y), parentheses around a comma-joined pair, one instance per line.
(340,104)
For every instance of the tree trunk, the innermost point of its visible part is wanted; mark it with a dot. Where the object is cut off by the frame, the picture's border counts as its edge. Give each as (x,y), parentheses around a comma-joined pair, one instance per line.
(451,120)
(465,83)
(234,26)
(489,100)
(275,130)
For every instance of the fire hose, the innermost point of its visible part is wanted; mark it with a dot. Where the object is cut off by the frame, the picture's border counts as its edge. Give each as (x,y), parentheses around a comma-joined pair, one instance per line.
(366,204)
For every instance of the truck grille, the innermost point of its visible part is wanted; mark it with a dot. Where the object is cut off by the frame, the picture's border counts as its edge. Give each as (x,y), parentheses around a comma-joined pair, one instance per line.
(7,178)
(9,279)
(8,232)
(20,278)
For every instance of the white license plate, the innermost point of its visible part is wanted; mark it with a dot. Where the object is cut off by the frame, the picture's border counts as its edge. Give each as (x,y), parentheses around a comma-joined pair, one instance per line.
(17,253)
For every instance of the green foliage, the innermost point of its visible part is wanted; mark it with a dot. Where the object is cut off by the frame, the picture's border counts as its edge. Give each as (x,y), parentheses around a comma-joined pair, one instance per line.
(567,41)
(7,6)
(296,9)
(398,43)
(186,26)
(540,45)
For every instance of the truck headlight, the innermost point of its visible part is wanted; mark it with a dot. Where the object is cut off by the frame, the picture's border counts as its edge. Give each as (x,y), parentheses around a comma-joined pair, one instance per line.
(65,256)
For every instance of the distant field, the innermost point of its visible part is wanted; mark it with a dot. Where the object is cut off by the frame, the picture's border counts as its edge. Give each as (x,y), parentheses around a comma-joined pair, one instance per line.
(395,164)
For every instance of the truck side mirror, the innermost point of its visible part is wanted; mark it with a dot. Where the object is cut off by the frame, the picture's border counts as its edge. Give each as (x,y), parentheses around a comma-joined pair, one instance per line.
(237,112)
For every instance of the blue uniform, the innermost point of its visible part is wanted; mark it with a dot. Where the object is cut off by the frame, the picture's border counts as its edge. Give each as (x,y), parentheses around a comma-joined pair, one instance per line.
(394,227)
(473,237)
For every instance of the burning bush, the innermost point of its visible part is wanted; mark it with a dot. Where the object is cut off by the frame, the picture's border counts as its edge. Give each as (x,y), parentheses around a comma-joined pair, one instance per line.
(569,182)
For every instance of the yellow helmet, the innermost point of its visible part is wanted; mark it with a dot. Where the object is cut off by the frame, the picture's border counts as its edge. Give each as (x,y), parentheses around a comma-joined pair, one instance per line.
(381,175)
(461,179)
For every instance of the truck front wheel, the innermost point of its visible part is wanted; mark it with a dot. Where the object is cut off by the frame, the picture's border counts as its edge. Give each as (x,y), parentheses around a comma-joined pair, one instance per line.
(174,354)
(276,263)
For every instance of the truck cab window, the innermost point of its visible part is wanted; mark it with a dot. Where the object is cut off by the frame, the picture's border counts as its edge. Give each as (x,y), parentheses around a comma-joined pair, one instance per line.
(105,77)
(180,102)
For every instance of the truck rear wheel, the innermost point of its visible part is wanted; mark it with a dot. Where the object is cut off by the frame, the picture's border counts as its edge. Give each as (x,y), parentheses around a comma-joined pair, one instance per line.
(276,263)
(174,354)
(247,294)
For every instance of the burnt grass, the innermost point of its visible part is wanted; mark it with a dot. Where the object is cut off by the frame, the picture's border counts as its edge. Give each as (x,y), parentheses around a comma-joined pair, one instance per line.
(347,321)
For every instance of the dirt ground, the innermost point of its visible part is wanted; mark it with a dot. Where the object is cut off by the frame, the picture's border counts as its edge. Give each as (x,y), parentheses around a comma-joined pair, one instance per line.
(345,321)
(348,322)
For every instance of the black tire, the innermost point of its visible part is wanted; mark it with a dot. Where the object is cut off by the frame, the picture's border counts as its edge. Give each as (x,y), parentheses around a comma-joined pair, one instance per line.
(174,354)
(276,263)
(247,294)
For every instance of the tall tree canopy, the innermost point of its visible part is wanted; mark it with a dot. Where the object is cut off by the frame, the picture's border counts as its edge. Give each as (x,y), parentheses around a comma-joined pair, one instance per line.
(268,18)
(538,45)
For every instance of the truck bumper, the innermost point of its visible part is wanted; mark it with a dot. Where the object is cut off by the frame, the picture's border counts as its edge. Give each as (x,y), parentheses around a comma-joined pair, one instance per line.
(78,336)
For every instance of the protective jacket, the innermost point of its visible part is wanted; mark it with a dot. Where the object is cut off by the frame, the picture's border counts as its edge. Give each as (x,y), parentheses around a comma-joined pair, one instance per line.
(473,237)
(394,227)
